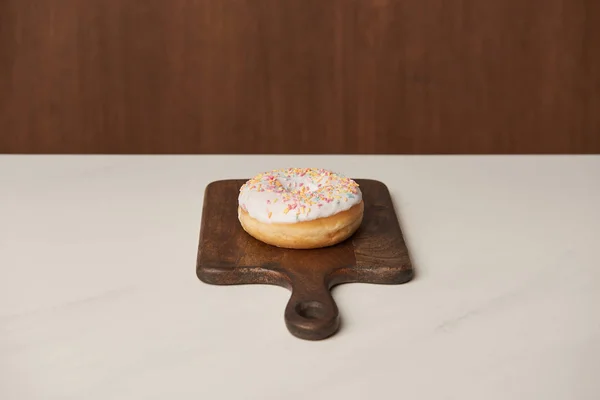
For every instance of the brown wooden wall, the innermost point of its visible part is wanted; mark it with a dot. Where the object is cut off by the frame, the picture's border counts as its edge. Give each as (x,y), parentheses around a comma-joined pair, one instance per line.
(300,76)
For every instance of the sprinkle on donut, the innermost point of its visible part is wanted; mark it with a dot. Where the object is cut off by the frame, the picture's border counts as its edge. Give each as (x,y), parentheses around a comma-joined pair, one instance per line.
(297,194)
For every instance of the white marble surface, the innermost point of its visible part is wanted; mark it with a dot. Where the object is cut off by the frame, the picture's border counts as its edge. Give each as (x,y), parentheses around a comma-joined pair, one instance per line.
(99,298)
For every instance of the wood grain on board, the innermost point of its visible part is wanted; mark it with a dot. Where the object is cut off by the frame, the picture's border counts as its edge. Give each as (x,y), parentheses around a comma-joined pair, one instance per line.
(299,76)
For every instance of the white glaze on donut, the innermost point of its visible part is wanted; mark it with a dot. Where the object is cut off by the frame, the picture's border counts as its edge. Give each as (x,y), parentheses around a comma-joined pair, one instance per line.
(297,194)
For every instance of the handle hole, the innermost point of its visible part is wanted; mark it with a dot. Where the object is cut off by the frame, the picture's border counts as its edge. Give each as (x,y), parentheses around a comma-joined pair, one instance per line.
(310,309)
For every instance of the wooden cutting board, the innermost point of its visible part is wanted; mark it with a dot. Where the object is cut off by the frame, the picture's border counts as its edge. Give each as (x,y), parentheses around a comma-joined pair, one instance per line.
(376,253)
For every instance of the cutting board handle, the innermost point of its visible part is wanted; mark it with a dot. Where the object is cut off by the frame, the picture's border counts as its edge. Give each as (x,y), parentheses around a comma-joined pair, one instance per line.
(311,313)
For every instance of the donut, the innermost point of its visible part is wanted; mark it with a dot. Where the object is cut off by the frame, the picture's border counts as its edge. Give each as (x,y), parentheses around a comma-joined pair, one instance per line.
(300,208)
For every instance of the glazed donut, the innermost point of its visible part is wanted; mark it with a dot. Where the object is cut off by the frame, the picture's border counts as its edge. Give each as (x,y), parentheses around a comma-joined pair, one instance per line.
(300,208)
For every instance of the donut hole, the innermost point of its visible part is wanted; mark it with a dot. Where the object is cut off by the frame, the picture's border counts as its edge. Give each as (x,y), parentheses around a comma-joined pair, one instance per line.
(310,309)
